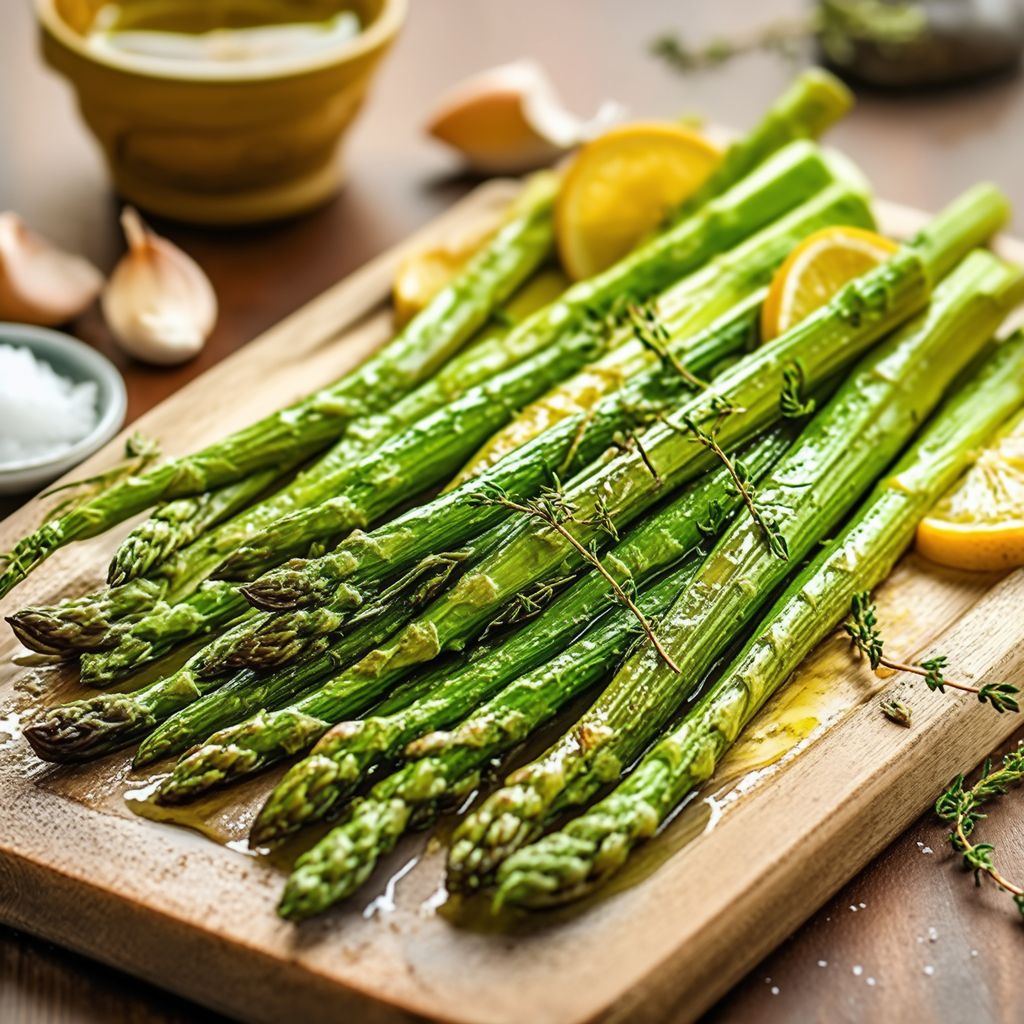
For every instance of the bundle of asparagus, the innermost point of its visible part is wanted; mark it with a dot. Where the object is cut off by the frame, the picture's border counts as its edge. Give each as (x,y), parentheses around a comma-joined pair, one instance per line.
(646,477)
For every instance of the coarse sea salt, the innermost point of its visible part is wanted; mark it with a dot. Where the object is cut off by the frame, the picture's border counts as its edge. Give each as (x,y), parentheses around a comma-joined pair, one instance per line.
(41,412)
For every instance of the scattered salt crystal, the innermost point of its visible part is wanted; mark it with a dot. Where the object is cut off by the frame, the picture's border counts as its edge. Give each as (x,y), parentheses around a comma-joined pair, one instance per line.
(929,970)
(853,909)
(858,970)
(41,412)
(823,963)
(775,990)
(933,935)
(927,849)
(871,982)
(862,905)
(974,952)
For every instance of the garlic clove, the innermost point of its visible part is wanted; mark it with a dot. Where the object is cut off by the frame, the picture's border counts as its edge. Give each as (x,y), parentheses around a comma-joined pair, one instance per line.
(39,283)
(509,120)
(158,303)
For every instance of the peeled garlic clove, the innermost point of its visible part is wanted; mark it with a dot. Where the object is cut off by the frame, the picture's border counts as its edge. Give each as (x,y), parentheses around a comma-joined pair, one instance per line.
(510,120)
(158,303)
(39,283)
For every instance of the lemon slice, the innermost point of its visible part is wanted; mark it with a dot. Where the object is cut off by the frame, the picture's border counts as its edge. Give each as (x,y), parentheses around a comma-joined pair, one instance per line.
(422,274)
(979,525)
(621,185)
(815,270)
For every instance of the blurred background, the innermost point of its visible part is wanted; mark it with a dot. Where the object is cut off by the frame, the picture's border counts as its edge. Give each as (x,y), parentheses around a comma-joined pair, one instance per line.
(918,146)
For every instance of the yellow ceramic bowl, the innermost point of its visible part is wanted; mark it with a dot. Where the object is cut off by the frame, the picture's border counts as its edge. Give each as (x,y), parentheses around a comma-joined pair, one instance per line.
(219,143)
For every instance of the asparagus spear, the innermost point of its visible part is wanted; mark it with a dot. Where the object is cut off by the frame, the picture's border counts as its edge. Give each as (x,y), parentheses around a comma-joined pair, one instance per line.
(314,422)
(435,446)
(449,764)
(83,624)
(710,289)
(178,523)
(453,518)
(584,854)
(836,458)
(453,619)
(825,343)
(270,642)
(85,729)
(432,701)
(814,102)
(91,622)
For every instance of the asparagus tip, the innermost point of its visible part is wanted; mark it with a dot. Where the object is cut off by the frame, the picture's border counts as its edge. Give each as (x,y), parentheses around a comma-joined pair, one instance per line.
(85,729)
(307,793)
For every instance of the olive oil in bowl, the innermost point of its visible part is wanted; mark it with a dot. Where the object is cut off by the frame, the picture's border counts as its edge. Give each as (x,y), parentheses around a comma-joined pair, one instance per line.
(196,31)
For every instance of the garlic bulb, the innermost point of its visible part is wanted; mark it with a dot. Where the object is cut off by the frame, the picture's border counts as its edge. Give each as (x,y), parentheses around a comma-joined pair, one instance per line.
(510,120)
(158,303)
(39,283)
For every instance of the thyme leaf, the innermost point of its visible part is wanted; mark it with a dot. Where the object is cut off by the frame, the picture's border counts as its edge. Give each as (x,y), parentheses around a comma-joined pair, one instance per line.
(862,628)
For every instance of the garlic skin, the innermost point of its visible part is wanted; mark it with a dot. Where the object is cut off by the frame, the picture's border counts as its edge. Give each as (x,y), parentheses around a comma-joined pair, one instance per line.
(39,283)
(159,304)
(510,120)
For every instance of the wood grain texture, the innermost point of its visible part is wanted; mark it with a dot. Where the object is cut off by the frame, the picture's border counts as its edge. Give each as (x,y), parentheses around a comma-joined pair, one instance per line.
(80,869)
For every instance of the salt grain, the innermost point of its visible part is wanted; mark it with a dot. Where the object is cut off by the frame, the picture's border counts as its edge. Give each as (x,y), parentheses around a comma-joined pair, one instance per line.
(41,412)
(858,970)
(929,970)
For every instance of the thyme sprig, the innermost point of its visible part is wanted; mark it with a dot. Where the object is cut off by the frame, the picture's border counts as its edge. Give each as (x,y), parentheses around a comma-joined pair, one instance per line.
(961,807)
(862,628)
(741,480)
(653,335)
(553,509)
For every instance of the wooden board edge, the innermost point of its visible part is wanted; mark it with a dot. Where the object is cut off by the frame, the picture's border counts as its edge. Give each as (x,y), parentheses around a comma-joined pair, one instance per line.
(880,774)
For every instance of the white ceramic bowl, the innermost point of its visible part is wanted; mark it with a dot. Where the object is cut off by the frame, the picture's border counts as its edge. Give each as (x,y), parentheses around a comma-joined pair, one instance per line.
(73,359)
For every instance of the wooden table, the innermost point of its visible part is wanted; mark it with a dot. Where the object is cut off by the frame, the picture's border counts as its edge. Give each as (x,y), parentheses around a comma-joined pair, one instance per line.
(910,935)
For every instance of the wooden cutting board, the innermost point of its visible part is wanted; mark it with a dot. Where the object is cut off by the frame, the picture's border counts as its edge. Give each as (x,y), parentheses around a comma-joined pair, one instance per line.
(821,783)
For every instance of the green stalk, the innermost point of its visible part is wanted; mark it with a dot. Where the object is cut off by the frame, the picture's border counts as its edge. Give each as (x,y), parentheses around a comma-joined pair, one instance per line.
(590,849)
(452,519)
(89,623)
(723,253)
(433,448)
(440,698)
(178,523)
(306,427)
(622,489)
(449,763)
(83,624)
(836,458)
(85,729)
(814,102)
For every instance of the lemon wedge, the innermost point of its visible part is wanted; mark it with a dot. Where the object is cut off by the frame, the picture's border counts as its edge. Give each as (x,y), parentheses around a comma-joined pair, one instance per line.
(423,273)
(815,270)
(979,525)
(621,186)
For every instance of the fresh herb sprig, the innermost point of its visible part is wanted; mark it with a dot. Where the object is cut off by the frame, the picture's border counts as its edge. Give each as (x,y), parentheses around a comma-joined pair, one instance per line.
(653,335)
(553,509)
(862,627)
(961,807)
(741,480)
